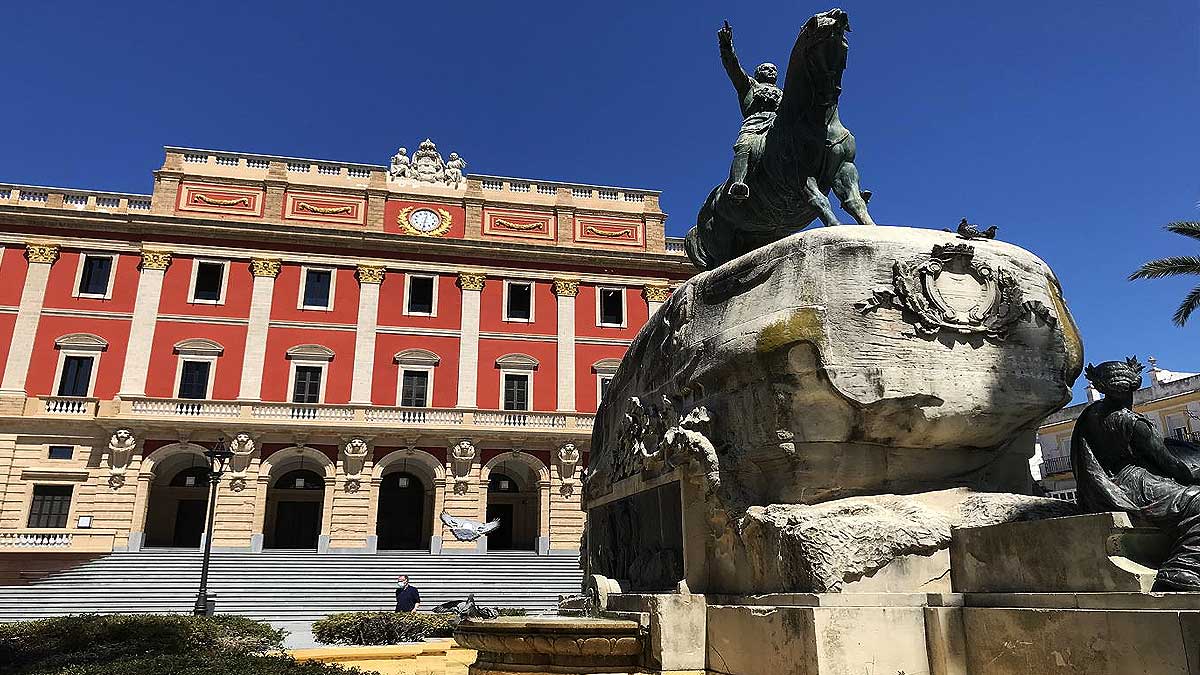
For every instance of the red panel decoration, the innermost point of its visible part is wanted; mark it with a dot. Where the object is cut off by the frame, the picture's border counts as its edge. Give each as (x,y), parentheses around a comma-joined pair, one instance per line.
(520,225)
(325,208)
(220,199)
(610,231)
(418,219)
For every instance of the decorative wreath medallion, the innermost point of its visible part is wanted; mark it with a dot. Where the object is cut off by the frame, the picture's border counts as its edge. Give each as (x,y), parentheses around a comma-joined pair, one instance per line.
(951,291)
(424,222)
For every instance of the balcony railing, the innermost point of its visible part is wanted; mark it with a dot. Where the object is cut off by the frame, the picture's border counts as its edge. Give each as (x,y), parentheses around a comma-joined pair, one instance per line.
(351,414)
(183,407)
(521,419)
(68,405)
(54,540)
(1053,465)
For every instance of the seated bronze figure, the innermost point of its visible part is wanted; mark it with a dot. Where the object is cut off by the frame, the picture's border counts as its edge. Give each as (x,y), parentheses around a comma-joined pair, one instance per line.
(1122,463)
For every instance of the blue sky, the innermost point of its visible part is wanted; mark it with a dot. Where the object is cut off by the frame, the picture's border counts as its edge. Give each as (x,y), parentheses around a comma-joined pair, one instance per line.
(1070,125)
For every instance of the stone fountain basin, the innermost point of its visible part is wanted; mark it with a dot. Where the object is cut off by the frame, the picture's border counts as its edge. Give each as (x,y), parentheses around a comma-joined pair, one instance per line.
(550,644)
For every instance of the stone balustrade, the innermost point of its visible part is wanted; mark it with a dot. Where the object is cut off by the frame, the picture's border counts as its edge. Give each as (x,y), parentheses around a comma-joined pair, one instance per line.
(146,408)
(55,540)
(61,405)
(82,200)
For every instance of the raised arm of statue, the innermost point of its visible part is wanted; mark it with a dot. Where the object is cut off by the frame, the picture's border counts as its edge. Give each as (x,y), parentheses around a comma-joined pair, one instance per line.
(739,78)
(1148,444)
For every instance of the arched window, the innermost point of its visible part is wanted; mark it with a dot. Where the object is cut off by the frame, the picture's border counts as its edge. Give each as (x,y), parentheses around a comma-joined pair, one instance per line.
(499,482)
(306,381)
(196,366)
(78,362)
(300,479)
(196,476)
(415,380)
(516,381)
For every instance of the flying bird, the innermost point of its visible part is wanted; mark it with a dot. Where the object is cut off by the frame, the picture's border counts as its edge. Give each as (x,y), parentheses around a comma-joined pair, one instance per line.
(468,530)
(971,231)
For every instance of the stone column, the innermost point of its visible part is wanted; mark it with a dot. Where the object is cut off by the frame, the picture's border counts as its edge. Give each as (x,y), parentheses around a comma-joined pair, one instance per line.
(29,313)
(566,290)
(369,280)
(471,284)
(145,317)
(264,271)
(656,295)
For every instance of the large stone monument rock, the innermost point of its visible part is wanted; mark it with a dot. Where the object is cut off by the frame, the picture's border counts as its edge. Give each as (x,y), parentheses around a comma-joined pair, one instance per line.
(820,386)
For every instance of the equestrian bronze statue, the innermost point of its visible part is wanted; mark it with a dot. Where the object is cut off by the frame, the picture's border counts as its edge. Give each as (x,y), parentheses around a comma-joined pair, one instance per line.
(791,151)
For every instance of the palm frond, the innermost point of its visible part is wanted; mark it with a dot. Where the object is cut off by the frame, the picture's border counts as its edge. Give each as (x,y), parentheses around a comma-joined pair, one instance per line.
(1168,267)
(1189,305)
(1188,228)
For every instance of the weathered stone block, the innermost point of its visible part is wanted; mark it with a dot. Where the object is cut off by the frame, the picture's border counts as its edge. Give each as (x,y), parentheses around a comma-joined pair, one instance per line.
(833,364)
(1095,553)
(1107,642)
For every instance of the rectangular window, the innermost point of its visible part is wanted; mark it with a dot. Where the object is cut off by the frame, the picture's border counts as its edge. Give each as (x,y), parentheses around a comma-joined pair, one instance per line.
(605,380)
(76,376)
(516,392)
(62,451)
(612,307)
(317,287)
(414,390)
(193,379)
(94,277)
(518,305)
(210,281)
(50,506)
(420,295)
(308,385)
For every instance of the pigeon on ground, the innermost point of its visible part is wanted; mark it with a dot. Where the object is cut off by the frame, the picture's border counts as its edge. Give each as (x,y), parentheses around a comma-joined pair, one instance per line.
(466,609)
(468,530)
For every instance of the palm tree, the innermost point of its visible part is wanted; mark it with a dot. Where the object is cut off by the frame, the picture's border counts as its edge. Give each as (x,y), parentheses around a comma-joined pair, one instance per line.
(1176,265)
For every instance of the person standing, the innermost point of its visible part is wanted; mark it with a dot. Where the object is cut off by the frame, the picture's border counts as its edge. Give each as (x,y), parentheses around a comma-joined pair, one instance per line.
(408,598)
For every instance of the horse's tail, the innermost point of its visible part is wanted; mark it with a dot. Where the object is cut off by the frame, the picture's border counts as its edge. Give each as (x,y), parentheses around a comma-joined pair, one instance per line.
(700,240)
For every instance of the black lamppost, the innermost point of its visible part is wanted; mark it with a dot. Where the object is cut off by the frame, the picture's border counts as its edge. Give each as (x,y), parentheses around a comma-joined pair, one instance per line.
(218,456)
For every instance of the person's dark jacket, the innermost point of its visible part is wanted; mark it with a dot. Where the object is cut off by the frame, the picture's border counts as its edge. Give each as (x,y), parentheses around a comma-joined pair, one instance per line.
(407,598)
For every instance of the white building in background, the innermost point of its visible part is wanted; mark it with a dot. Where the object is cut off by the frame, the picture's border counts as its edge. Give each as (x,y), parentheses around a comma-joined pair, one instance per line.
(1171,400)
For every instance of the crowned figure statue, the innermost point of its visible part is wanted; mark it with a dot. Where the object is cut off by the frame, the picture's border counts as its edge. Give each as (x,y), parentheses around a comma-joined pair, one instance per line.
(1122,463)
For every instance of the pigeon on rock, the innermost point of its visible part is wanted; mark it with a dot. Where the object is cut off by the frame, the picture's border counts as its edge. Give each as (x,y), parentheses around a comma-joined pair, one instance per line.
(970,231)
(464,529)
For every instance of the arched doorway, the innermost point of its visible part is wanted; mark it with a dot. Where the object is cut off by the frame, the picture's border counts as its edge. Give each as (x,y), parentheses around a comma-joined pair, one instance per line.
(293,516)
(403,512)
(513,498)
(177,506)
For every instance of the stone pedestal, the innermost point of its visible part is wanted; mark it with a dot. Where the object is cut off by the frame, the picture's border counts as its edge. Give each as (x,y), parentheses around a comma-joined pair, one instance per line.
(887,379)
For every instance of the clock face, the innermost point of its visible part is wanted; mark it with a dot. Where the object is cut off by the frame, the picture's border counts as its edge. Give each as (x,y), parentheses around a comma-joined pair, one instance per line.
(424,220)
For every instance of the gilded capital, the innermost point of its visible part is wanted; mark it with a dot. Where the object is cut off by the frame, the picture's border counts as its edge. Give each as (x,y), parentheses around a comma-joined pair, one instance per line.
(370,274)
(156,260)
(566,287)
(471,281)
(41,253)
(264,267)
(656,293)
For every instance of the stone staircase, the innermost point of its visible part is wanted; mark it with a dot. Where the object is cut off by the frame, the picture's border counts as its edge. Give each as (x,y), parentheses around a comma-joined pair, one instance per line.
(283,586)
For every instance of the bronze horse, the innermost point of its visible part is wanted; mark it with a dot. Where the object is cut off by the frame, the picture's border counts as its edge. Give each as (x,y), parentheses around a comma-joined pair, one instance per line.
(805,152)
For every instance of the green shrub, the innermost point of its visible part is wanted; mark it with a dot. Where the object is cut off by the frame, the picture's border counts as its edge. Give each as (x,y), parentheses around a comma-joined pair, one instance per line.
(84,640)
(206,664)
(380,628)
(512,611)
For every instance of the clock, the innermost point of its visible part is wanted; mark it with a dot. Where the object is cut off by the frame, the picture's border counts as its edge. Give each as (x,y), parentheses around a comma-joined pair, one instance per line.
(424,221)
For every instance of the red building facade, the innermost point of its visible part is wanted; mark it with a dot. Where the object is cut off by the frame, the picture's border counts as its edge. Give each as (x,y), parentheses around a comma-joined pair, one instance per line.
(377,347)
